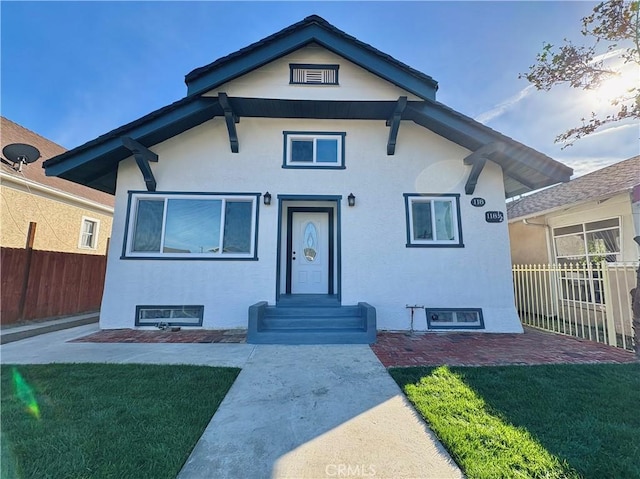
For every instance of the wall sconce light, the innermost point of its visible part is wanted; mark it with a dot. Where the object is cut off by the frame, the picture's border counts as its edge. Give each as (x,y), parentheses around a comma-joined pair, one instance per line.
(267,198)
(351,200)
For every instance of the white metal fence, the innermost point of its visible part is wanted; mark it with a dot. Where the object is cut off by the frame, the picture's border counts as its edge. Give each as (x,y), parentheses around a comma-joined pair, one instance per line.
(590,301)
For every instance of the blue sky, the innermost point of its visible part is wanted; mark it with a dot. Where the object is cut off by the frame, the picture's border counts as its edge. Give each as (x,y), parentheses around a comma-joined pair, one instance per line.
(74,70)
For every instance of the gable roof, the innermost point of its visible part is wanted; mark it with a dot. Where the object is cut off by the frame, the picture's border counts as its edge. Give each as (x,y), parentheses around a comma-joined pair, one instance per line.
(14,133)
(606,182)
(313,29)
(95,163)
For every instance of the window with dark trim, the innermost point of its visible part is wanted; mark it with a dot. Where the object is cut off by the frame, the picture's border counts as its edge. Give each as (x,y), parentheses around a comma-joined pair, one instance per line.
(433,220)
(313,74)
(192,226)
(160,315)
(313,149)
(454,318)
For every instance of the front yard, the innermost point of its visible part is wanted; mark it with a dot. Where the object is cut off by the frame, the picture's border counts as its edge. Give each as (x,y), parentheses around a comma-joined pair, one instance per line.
(551,421)
(105,420)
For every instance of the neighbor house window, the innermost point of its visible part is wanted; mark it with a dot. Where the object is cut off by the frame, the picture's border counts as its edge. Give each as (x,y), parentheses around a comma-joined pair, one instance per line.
(588,242)
(454,318)
(313,150)
(577,248)
(192,226)
(433,220)
(169,315)
(311,74)
(89,233)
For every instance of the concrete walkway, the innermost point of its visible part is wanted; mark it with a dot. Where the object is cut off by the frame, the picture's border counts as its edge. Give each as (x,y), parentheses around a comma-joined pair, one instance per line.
(294,411)
(16,332)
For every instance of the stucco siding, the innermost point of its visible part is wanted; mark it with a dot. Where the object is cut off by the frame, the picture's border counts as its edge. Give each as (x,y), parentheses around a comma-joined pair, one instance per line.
(272,81)
(58,221)
(529,242)
(376,265)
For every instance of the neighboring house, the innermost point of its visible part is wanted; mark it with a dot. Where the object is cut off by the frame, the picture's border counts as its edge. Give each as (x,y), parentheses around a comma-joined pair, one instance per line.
(575,255)
(69,217)
(588,218)
(302,174)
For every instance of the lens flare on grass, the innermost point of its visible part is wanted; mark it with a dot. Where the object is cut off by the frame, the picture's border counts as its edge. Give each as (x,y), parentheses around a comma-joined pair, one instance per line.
(25,394)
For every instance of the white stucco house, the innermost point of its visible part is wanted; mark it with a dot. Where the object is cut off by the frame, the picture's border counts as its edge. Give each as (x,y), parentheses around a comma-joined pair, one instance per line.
(309,188)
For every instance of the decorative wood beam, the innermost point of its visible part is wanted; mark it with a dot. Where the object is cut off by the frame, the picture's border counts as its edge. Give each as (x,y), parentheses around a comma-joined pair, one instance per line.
(143,156)
(476,169)
(231,118)
(478,159)
(394,123)
(486,151)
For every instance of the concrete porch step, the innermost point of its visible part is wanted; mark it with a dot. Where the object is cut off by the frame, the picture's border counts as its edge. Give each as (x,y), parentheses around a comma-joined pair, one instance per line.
(316,311)
(318,336)
(320,321)
(312,322)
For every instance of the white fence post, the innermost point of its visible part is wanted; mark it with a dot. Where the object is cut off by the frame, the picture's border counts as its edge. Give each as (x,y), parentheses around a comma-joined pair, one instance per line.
(608,304)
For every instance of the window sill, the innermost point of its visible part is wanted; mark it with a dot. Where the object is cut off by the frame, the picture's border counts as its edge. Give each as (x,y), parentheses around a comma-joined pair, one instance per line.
(456,326)
(179,258)
(314,166)
(436,245)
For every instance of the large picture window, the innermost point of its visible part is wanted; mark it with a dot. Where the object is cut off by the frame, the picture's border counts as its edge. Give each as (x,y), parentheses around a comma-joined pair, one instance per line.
(188,226)
(313,150)
(433,220)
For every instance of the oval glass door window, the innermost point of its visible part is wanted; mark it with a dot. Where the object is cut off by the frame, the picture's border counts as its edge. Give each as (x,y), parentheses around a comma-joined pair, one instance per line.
(310,240)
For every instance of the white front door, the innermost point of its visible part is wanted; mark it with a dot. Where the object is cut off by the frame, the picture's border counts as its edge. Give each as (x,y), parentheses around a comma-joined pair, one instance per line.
(310,253)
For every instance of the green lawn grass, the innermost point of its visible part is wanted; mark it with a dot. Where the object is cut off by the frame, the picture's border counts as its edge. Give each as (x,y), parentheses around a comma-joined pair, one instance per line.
(550,421)
(105,420)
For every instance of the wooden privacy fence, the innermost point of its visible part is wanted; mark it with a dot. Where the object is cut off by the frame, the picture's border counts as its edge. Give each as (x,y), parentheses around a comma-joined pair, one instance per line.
(46,284)
(590,301)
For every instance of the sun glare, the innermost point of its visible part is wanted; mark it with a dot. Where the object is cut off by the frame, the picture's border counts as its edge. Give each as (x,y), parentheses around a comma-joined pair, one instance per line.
(614,87)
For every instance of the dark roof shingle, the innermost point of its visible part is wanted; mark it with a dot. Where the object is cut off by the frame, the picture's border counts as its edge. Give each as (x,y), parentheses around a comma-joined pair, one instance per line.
(613,179)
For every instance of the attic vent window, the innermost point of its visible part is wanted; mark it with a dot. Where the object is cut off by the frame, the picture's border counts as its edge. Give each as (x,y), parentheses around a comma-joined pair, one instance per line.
(313,74)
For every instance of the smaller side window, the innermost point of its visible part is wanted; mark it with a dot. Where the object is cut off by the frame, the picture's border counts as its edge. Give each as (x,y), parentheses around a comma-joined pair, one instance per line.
(89,233)
(163,316)
(433,220)
(313,150)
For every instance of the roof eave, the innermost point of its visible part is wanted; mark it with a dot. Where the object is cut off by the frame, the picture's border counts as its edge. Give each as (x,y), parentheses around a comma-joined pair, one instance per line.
(228,68)
(516,159)
(107,150)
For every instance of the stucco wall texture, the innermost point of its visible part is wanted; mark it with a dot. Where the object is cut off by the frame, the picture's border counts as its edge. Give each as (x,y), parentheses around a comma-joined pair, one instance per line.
(58,223)
(377,267)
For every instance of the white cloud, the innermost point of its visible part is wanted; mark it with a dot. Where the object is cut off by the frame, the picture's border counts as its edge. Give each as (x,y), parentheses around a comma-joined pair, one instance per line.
(504,106)
(614,128)
(607,55)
